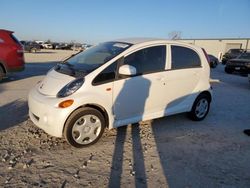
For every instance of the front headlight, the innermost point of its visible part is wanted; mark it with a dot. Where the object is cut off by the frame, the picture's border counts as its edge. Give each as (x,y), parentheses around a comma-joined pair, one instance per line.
(70,88)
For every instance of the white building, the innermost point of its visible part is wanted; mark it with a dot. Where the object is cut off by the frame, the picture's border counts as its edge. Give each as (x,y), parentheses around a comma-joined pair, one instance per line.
(220,46)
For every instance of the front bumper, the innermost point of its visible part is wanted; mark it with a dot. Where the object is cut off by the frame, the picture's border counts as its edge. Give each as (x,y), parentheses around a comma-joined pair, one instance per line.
(239,68)
(45,113)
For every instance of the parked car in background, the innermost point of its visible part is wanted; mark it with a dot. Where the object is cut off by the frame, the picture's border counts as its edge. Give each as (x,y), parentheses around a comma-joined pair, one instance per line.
(40,42)
(55,45)
(66,46)
(47,45)
(11,53)
(213,61)
(30,46)
(77,46)
(59,46)
(232,53)
(240,64)
(118,83)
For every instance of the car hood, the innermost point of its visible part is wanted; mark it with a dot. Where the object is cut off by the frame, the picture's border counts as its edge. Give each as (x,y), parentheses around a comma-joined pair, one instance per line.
(53,83)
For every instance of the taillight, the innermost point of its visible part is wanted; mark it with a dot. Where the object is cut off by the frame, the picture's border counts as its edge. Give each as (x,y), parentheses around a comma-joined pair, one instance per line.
(19,50)
(204,51)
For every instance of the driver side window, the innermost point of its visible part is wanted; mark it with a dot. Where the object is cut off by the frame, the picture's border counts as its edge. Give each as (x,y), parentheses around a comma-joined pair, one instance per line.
(148,60)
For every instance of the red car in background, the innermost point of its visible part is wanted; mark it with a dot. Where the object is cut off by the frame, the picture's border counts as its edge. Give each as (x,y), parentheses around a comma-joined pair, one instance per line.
(11,53)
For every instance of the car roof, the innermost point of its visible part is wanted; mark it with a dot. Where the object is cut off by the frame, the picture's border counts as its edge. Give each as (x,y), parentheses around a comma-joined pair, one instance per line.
(146,40)
(154,41)
(7,31)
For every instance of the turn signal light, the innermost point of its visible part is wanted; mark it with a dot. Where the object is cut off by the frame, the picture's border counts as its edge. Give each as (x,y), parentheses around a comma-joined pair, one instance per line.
(65,104)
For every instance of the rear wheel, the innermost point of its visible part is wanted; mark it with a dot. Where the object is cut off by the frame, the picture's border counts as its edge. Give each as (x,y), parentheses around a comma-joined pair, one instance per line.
(200,108)
(213,64)
(2,73)
(84,127)
(223,61)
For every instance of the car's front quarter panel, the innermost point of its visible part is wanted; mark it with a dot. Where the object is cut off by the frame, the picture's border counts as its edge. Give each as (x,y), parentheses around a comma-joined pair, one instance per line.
(45,113)
(99,96)
(52,118)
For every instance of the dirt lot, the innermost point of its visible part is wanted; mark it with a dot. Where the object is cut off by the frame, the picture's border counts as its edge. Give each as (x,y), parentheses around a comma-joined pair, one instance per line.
(167,152)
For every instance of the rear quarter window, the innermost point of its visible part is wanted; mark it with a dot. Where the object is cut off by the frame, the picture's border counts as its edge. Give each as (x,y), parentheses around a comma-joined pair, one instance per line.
(183,57)
(14,39)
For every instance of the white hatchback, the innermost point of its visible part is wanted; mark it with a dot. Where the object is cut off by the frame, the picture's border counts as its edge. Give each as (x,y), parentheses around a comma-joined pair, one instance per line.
(118,83)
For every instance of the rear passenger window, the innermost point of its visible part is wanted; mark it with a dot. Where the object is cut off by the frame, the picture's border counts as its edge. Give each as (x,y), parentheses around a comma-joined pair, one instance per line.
(148,60)
(184,58)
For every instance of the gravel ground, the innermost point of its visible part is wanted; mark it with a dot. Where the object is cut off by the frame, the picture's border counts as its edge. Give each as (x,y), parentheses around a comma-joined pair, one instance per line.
(166,152)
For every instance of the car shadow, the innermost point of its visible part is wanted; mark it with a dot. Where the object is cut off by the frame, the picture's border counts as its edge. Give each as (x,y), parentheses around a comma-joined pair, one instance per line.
(13,113)
(31,69)
(117,160)
(122,103)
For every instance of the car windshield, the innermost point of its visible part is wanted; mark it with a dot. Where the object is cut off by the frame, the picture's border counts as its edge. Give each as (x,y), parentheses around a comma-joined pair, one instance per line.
(244,56)
(91,59)
(235,51)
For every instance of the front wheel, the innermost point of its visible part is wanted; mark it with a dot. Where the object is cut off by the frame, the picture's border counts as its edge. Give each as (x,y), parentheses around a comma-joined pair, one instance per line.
(200,108)
(84,127)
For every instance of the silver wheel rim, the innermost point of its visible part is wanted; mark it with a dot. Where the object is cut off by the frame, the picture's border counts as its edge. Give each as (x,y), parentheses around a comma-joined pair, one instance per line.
(201,108)
(86,129)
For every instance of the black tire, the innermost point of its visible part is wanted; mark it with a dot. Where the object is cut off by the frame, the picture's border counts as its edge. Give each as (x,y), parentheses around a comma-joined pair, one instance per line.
(2,73)
(193,113)
(228,70)
(213,64)
(72,121)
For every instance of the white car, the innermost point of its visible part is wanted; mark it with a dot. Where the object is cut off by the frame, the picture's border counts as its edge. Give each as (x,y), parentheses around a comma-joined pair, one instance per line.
(118,83)
(47,45)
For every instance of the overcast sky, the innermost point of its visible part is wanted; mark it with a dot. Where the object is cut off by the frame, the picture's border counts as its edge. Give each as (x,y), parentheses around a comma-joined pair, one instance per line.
(94,21)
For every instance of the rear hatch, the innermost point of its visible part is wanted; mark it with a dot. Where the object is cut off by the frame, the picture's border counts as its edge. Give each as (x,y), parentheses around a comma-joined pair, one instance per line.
(18,48)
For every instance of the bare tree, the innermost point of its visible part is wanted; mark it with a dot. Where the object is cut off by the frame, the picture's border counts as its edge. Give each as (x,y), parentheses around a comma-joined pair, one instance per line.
(174,35)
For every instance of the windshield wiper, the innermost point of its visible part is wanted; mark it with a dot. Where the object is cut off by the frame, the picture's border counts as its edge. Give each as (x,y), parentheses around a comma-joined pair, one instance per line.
(66,64)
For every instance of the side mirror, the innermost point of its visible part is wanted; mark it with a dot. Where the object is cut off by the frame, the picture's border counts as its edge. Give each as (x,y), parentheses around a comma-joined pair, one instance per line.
(127,70)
